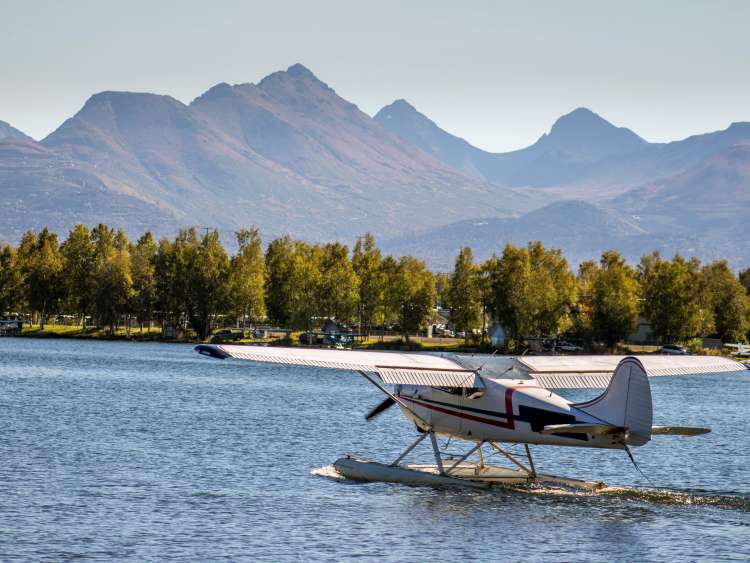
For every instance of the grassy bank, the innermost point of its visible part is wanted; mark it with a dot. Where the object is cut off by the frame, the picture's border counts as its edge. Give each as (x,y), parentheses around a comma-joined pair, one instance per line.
(93,333)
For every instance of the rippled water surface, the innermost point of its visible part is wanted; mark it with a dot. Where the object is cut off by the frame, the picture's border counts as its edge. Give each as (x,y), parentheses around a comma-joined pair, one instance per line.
(115,450)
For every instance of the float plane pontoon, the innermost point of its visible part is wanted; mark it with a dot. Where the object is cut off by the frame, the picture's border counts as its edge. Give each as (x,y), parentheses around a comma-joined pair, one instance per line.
(493,401)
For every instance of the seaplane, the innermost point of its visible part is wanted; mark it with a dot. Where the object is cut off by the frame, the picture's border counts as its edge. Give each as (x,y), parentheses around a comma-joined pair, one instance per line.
(494,403)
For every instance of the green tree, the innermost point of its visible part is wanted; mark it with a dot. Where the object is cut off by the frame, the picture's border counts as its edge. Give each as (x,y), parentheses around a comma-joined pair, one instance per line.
(41,266)
(486,292)
(11,282)
(726,301)
(114,288)
(338,288)
(389,270)
(583,322)
(247,277)
(533,290)
(280,265)
(306,283)
(670,297)
(745,279)
(293,282)
(79,271)
(614,299)
(169,285)
(414,294)
(367,261)
(204,264)
(464,299)
(143,257)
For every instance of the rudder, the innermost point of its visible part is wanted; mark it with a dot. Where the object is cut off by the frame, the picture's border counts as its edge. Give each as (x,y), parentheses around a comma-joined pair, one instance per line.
(626,402)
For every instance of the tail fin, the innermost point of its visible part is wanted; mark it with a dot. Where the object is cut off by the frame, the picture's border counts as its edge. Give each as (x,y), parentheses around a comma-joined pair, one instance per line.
(626,402)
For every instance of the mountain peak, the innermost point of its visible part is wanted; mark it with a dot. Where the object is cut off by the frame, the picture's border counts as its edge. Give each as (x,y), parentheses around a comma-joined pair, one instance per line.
(588,135)
(300,71)
(399,109)
(293,77)
(125,99)
(401,104)
(580,118)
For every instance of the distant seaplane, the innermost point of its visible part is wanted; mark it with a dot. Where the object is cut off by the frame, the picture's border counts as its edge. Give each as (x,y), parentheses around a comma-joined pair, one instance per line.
(491,401)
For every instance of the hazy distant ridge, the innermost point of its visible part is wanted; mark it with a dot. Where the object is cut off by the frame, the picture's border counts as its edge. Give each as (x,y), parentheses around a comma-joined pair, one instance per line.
(290,155)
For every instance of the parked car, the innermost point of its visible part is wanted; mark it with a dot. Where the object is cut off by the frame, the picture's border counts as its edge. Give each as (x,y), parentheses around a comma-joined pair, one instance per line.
(563,346)
(442,331)
(227,335)
(673,349)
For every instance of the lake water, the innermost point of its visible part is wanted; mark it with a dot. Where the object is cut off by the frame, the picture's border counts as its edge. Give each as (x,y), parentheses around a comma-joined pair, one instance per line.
(124,451)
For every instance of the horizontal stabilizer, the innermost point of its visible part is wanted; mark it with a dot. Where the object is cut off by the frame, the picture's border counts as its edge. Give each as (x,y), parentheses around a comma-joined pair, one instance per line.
(595,429)
(678,431)
(572,372)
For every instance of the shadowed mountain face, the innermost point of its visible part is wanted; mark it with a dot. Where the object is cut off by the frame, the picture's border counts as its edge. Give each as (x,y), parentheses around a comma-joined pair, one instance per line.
(287,154)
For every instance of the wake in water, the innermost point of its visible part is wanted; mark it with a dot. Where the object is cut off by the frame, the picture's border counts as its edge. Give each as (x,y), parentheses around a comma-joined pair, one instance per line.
(655,496)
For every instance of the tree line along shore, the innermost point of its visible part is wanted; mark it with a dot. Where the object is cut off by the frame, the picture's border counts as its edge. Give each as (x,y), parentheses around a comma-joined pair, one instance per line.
(101,279)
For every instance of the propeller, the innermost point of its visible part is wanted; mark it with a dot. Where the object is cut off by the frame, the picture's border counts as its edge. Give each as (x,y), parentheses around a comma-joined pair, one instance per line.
(387,403)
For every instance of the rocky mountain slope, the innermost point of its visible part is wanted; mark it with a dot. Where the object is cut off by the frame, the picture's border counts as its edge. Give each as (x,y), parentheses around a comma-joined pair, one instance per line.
(690,196)
(287,154)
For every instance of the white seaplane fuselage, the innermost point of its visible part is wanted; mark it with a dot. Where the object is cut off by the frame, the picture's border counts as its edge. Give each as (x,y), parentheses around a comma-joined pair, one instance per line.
(506,410)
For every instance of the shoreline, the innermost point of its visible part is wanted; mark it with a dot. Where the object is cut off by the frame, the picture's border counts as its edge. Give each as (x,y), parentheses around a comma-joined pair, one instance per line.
(154,335)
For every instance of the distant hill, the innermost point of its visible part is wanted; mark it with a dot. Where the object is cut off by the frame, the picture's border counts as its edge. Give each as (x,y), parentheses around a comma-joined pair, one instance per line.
(594,229)
(709,202)
(702,212)
(583,155)
(690,196)
(575,142)
(582,230)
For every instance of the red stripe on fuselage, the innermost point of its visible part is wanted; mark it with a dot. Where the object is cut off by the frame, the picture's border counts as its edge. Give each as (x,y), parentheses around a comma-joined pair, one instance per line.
(509,423)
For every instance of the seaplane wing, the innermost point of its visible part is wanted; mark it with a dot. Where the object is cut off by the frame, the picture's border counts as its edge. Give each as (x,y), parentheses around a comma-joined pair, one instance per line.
(572,372)
(393,368)
(462,370)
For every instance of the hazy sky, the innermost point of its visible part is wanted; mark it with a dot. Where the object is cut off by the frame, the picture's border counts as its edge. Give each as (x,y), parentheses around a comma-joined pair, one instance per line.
(495,73)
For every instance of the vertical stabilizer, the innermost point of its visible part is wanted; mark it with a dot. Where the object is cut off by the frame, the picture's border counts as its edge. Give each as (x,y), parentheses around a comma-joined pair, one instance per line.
(626,402)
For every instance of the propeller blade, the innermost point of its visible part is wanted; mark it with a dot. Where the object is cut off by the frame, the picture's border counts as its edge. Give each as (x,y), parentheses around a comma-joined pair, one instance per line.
(387,402)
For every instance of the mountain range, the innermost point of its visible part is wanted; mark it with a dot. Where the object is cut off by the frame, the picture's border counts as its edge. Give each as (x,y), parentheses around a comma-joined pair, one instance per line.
(291,156)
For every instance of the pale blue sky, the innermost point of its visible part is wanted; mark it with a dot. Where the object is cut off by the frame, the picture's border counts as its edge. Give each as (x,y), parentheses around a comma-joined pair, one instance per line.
(495,73)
